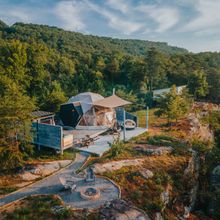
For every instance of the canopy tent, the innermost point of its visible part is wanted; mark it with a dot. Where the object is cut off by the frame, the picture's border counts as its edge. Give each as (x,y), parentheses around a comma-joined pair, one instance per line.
(95,109)
(111,102)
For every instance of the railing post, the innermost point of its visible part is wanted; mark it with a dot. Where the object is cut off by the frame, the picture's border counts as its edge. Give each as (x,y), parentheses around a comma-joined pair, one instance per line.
(124,129)
(147,118)
(61,141)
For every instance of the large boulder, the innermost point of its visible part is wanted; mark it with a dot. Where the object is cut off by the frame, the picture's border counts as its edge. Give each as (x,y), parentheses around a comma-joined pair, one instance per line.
(146,173)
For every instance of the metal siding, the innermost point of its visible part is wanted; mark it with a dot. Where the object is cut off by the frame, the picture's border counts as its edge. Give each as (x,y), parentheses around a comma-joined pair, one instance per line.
(47,135)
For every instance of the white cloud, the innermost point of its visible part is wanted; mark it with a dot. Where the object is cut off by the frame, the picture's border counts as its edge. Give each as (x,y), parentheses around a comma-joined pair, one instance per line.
(71,12)
(120,15)
(120,5)
(184,23)
(208,18)
(165,17)
(23,13)
(19,15)
(124,25)
(15,14)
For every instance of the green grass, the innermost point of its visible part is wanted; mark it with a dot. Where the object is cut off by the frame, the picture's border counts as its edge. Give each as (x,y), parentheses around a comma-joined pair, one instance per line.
(47,154)
(40,208)
(152,118)
(7,189)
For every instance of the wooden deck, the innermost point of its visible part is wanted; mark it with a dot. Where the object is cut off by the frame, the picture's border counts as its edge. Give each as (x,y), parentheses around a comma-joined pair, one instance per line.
(101,145)
(74,137)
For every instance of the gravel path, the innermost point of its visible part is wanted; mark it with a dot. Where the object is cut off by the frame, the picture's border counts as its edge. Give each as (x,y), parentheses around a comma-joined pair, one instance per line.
(52,185)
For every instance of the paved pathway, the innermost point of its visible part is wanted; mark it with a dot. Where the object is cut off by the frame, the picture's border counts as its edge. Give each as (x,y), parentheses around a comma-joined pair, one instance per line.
(52,185)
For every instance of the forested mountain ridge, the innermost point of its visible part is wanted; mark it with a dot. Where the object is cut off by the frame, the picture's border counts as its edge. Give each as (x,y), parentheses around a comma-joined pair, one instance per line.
(71,41)
(49,65)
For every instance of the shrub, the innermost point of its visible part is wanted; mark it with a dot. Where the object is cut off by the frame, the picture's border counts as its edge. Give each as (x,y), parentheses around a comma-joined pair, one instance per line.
(10,157)
(155,206)
(201,146)
(116,148)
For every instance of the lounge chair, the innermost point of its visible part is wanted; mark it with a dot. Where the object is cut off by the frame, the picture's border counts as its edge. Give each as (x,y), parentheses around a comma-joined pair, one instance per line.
(68,184)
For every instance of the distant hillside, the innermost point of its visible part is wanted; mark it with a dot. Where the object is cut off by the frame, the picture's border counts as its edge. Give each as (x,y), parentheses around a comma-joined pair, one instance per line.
(67,41)
(50,65)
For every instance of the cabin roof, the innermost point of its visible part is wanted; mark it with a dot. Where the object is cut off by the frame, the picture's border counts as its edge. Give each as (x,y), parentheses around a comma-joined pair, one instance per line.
(41,114)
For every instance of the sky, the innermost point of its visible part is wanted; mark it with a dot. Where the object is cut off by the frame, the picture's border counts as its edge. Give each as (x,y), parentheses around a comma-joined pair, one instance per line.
(191,24)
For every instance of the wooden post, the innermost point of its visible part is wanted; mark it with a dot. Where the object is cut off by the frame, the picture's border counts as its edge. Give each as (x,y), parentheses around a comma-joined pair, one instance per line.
(147,118)
(124,129)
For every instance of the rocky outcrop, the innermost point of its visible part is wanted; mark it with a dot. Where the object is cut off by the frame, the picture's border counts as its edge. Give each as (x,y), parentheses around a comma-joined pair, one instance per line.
(145,173)
(116,165)
(153,150)
(121,210)
(158,216)
(32,172)
(198,129)
(193,166)
(205,106)
(192,172)
(215,188)
(201,131)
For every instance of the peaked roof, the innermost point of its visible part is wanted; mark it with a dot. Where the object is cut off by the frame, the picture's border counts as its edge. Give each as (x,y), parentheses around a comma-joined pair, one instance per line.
(111,102)
(88,97)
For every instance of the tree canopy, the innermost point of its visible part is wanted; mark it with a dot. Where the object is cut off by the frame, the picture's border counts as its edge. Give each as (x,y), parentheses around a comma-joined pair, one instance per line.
(37,56)
(41,66)
(173,105)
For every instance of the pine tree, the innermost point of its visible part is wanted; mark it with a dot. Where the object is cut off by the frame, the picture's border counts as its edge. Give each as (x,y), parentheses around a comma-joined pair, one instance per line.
(173,105)
(15,109)
(197,84)
(54,98)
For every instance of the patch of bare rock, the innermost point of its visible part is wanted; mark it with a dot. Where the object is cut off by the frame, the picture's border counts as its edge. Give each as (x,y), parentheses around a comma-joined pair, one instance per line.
(116,165)
(33,172)
(153,150)
(121,210)
(145,173)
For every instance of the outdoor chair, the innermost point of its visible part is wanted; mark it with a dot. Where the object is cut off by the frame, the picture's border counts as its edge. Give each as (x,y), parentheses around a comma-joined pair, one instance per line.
(67,184)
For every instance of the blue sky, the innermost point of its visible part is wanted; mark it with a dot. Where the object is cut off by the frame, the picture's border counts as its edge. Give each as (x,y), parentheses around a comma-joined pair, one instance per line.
(192,24)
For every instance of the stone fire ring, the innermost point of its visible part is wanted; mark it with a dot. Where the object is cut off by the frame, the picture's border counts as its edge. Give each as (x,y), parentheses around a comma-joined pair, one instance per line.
(90,193)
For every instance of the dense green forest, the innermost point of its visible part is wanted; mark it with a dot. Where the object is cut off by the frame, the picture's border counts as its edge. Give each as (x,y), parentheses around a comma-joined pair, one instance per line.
(50,64)
(41,66)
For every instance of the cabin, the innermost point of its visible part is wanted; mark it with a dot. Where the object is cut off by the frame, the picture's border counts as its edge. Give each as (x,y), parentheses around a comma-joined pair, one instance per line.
(160,92)
(43,117)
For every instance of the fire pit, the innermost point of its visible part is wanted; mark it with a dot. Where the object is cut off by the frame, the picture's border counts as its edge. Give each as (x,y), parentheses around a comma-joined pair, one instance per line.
(90,193)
